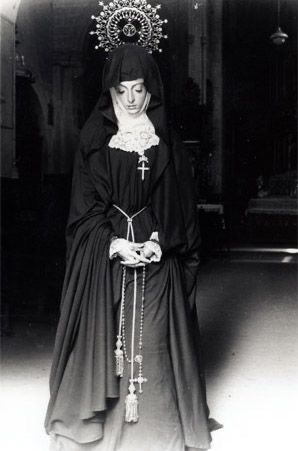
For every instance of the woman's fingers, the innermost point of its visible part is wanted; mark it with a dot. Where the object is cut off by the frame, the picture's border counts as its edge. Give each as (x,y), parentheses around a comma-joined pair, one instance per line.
(136,246)
(134,260)
(137,256)
(132,254)
(142,258)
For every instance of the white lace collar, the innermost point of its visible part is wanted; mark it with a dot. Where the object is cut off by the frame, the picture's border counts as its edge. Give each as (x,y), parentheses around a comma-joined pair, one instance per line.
(136,133)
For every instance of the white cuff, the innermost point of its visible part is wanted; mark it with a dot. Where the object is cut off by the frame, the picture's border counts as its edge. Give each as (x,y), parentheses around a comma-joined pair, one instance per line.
(154,236)
(155,248)
(115,246)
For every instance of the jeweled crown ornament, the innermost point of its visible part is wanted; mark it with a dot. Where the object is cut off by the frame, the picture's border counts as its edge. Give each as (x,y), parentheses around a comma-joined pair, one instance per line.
(129,21)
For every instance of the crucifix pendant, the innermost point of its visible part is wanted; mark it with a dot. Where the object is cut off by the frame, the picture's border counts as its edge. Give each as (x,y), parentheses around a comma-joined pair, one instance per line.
(142,161)
(140,380)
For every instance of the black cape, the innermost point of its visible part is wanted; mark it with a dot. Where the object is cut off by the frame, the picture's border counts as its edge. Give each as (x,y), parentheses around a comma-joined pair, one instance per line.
(88,297)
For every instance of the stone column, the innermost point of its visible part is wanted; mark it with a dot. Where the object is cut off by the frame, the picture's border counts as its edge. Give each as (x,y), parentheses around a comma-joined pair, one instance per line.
(7,100)
(65,139)
(197,61)
(215,74)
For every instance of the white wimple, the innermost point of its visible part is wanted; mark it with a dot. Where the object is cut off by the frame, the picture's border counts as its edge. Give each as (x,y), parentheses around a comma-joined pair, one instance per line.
(136,133)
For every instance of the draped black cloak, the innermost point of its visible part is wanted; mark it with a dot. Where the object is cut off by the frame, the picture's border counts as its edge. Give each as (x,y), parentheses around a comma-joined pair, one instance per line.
(92,286)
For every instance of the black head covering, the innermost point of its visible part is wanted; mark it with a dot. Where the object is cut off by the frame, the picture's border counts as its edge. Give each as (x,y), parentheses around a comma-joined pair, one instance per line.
(131,62)
(126,63)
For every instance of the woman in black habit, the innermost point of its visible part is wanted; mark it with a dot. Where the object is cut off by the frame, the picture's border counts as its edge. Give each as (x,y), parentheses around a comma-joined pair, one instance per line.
(126,374)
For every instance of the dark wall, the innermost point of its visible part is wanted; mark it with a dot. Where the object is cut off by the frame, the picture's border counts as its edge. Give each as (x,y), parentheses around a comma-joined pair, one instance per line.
(260,93)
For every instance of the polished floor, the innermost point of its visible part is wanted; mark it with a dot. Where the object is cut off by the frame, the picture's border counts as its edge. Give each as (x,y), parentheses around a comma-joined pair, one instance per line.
(249,327)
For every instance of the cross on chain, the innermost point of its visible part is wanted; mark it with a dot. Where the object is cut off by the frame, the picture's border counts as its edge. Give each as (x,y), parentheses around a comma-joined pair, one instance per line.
(143,160)
(140,380)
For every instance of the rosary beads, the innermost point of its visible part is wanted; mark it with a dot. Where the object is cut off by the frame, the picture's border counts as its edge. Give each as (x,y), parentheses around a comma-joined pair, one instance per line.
(121,353)
(131,402)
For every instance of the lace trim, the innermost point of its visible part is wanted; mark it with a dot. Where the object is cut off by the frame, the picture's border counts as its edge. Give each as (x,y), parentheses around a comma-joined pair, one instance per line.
(135,140)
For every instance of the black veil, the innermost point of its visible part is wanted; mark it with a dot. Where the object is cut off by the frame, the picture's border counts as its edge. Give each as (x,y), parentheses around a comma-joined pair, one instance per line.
(128,62)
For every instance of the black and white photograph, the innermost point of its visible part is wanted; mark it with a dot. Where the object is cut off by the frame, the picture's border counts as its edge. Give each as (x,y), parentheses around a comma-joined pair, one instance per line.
(149,236)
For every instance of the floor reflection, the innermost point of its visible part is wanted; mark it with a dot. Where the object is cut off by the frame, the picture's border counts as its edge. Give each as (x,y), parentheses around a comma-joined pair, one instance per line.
(248,317)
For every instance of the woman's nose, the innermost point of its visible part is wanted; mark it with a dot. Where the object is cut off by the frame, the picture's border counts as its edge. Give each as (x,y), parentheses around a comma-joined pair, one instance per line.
(131,97)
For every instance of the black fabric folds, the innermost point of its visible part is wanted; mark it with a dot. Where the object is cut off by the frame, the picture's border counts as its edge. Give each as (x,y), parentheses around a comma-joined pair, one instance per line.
(82,382)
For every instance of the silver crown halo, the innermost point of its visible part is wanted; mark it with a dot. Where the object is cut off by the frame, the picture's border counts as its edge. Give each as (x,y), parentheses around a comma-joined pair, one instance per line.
(129,21)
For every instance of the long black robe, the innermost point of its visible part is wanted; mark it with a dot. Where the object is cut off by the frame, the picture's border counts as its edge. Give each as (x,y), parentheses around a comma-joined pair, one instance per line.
(83,386)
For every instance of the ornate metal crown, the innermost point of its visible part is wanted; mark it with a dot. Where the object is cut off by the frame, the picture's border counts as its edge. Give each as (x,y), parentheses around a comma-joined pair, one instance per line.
(129,21)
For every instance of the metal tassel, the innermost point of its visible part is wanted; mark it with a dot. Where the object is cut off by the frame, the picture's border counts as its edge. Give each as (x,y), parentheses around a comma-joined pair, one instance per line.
(119,358)
(131,405)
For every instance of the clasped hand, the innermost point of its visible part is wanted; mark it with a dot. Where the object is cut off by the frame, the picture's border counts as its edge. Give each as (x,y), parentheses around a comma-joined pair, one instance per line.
(135,255)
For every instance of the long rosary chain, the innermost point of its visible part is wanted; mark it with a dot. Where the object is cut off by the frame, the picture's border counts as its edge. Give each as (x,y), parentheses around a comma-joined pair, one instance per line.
(131,400)
(122,318)
(139,357)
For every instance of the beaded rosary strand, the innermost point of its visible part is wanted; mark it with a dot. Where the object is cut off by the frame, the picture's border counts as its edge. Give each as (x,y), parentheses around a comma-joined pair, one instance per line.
(131,402)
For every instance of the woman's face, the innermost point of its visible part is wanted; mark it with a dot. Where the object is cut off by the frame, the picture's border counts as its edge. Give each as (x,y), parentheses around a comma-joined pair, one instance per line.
(132,95)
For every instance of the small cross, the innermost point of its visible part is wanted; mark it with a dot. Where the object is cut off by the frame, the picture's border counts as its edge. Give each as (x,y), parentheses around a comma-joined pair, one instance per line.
(143,160)
(140,380)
